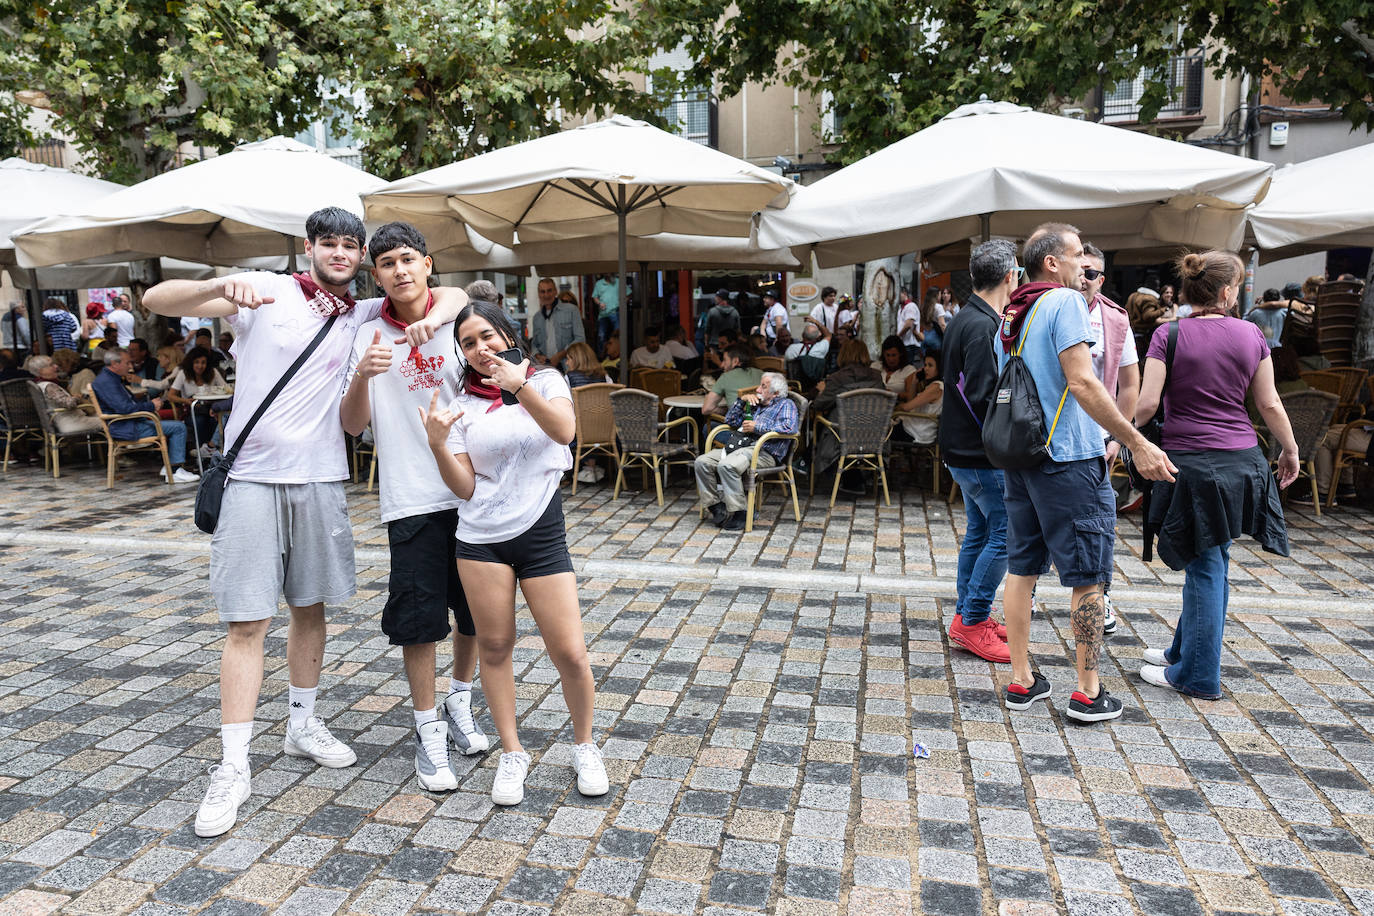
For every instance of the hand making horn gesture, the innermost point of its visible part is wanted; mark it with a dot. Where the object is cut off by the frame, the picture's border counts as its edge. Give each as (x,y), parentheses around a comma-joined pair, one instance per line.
(507,375)
(437,421)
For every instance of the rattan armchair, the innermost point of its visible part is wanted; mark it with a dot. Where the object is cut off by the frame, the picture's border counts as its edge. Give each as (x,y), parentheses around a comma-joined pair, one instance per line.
(1353,382)
(595,423)
(1344,455)
(116,446)
(780,474)
(862,424)
(1309,413)
(21,418)
(53,440)
(640,436)
(1323,380)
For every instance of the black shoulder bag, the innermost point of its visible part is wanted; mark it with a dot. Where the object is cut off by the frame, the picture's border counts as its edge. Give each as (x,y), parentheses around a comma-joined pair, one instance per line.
(210,492)
(1153,431)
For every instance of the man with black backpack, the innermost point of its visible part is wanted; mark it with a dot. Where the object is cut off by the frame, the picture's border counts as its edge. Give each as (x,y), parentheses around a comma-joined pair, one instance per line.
(1060,504)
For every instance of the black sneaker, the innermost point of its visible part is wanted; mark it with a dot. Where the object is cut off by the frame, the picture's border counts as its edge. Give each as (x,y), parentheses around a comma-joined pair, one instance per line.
(1083,709)
(718,514)
(1018,697)
(1303,497)
(735,522)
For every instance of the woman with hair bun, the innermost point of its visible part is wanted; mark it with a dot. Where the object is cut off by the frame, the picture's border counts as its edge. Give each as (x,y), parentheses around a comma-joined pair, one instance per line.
(1224,487)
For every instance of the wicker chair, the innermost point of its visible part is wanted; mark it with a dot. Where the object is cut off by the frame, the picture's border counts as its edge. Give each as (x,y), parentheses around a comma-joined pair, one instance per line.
(641,438)
(21,418)
(595,423)
(1337,314)
(1343,456)
(863,422)
(915,448)
(52,439)
(1323,380)
(1310,414)
(780,474)
(1353,382)
(115,446)
(666,383)
(768,363)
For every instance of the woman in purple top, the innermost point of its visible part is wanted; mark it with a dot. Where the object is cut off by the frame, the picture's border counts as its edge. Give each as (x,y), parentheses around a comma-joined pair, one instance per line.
(1224,487)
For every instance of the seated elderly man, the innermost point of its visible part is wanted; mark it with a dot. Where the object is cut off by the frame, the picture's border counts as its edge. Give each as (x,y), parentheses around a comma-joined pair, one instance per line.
(722,469)
(115,398)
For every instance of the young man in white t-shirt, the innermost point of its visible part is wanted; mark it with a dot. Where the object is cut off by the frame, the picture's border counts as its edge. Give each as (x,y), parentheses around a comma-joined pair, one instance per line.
(420,511)
(775,318)
(653,355)
(909,325)
(283,525)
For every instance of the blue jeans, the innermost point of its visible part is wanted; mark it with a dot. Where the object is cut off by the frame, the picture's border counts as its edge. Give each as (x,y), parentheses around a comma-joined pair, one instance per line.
(983,554)
(174,430)
(606,324)
(1195,656)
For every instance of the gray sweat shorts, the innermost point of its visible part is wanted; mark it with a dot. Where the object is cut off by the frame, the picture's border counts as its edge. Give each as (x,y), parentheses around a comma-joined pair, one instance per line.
(289,540)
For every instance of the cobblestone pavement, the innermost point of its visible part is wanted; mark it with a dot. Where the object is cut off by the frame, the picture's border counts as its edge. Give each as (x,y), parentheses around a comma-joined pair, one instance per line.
(758,700)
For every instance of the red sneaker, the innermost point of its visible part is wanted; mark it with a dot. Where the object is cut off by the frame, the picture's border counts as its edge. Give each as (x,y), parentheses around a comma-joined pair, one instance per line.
(1001,627)
(980,639)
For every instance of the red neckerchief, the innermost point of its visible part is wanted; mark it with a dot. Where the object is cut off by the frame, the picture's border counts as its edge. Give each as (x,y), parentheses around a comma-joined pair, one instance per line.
(473,381)
(321,301)
(389,316)
(1022,298)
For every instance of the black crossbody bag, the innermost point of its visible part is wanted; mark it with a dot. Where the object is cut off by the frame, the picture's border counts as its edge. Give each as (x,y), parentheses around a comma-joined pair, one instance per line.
(210,492)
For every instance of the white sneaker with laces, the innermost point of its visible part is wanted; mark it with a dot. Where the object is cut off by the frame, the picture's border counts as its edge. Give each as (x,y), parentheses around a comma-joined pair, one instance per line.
(1155,657)
(181,475)
(467,737)
(315,741)
(509,786)
(431,757)
(1109,620)
(591,771)
(1154,674)
(229,788)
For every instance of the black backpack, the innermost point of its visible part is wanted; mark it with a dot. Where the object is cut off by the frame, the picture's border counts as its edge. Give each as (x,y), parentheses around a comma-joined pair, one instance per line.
(1014,435)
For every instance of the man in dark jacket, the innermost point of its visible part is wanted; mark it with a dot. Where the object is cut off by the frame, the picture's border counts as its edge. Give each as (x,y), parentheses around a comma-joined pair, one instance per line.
(970,378)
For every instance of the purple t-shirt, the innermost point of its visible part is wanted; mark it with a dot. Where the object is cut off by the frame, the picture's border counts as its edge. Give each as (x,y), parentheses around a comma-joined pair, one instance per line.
(1214,360)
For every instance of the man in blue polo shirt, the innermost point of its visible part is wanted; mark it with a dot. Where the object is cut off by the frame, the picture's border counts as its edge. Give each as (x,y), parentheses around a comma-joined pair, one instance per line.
(1063,510)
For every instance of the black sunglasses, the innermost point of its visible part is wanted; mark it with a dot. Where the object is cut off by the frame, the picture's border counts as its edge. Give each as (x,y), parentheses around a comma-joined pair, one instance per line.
(1092,273)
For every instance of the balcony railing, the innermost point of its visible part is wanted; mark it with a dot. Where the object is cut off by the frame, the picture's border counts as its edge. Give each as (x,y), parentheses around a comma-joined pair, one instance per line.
(1184,77)
(48,152)
(694,118)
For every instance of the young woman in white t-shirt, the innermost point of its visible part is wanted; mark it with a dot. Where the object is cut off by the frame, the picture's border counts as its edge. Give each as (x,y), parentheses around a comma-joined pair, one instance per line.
(506,461)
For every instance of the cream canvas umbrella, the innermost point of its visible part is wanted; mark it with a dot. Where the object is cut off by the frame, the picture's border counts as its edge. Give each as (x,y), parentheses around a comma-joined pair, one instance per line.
(993,168)
(599,254)
(1322,203)
(616,178)
(252,202)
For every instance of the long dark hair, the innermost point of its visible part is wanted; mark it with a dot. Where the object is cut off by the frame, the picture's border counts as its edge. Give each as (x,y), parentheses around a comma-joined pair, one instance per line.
(893,342)
(494,315)
(189,363)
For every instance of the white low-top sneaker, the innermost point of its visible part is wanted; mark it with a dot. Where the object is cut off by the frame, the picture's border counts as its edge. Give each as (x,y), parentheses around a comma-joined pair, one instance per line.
(509,786)
(591,770)
(229,788)
(431,757)
(1155,657)
(1109,620)
(1154,674)
(462,728)
(315,741)
(181,475)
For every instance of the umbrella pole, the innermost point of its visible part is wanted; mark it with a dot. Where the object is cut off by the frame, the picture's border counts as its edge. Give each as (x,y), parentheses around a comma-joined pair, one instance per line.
(38,340)
(290,253)
(621,308)
(985,223)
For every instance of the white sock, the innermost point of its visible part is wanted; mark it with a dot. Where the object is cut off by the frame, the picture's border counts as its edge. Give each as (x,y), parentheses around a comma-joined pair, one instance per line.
(426,716)
(235,737)
(457,686)
(302,704)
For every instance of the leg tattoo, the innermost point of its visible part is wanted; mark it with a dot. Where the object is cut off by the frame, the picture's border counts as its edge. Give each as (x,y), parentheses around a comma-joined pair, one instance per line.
(1087,628)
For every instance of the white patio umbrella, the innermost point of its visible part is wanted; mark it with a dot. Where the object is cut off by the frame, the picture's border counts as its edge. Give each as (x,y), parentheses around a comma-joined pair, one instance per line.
(252,202)
(1322,203)
(993,168)
(600,254)
(615,178)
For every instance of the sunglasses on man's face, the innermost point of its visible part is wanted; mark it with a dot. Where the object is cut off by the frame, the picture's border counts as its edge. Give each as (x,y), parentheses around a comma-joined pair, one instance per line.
(1092,273)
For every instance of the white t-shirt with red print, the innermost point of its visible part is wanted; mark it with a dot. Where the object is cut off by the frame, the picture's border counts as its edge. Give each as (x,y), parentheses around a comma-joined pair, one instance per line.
(410,481)
(299,439)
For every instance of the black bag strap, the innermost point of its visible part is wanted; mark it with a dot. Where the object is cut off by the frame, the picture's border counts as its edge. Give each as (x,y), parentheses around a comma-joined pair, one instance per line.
(276,390)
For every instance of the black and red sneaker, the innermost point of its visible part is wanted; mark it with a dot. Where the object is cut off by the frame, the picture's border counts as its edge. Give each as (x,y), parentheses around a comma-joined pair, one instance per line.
(1018,697)
(1084,709)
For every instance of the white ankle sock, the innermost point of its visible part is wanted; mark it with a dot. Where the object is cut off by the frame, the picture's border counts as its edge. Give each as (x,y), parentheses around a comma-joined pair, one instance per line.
(456,686)
(301,702)
(426,716)
(235,737)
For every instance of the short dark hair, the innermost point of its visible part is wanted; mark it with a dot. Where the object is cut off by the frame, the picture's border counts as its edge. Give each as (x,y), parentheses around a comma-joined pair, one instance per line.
(140,341)
(1093,251)
(772,294)
(893,342)
(827,291)
(1271,295)
(653,332)
(741,353)
(1045,242)
(205,331)
(335,222)
(395,235)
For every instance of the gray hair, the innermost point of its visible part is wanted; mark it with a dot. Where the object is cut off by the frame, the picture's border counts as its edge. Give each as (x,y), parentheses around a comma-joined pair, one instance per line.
(776,383)
(114,355)
(483,290)
(1045,242)
(990,261)
(37,363)
(1092,251)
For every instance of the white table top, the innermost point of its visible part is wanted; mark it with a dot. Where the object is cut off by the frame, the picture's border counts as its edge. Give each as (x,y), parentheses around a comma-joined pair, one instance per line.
(685,401)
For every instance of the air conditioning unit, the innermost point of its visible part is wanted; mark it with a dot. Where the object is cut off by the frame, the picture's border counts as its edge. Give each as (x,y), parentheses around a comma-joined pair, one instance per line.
(1077,114)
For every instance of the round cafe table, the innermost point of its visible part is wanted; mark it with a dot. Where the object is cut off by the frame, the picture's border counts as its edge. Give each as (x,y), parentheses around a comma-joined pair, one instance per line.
(207,397)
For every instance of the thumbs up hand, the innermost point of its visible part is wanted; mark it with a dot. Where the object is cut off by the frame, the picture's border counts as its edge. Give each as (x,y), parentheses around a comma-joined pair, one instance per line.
(376,359)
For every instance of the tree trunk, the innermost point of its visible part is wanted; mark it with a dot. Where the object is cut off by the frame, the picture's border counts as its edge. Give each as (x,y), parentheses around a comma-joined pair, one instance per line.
(1363,346)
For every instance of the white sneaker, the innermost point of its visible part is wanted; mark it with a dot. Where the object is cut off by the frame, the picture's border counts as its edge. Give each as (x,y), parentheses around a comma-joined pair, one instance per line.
(600,473)
(509,786)
(1155,657)
(467,737)
(1154,674)
(182,475)
(1109,620)
(431,757)
(315,741)
(229,788)
(591,771)
(587,474)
